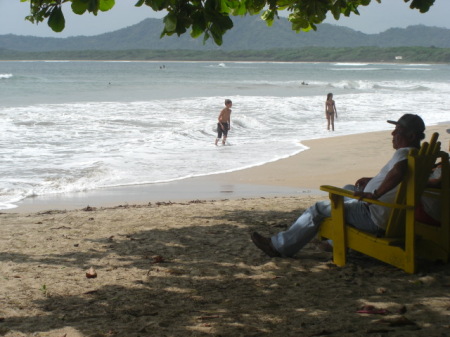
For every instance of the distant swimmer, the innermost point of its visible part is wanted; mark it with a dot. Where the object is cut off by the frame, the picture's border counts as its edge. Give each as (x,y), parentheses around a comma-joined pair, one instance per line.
(304,83)
(330,111)
(224,122)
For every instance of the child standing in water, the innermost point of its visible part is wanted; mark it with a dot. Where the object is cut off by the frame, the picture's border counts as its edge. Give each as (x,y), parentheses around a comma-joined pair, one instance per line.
(224,122)
(330,111)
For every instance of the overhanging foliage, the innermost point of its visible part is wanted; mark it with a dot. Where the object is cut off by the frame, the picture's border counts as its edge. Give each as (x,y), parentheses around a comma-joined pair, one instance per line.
(211,18)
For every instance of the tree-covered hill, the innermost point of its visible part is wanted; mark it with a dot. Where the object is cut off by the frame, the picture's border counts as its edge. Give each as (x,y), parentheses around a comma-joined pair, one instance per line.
(249,33)
(306,54)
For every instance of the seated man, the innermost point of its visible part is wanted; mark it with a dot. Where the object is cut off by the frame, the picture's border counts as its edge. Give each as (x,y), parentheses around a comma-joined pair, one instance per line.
(408,132)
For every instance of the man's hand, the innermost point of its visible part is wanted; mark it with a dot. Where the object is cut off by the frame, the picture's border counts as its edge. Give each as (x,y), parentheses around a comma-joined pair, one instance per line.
(362,195)
(361,183)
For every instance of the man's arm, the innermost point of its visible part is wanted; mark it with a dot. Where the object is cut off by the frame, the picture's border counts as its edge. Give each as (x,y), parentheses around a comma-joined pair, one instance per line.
(393,178)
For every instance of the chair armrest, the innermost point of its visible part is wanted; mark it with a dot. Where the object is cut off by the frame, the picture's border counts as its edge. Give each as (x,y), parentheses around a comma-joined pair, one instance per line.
(349,194)
(337,191)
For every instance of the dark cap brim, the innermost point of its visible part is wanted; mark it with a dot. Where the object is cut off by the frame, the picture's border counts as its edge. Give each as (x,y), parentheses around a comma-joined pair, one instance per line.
(393,122)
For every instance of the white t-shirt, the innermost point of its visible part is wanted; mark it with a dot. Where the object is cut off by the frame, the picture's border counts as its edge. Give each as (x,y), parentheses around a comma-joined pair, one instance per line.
(380,214)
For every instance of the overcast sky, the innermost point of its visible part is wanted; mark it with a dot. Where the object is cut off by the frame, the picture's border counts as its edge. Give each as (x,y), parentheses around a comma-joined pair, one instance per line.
(374,18)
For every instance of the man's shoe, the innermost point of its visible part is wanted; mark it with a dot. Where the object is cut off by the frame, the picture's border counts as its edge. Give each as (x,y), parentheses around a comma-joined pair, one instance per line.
(265,244)
(326,246)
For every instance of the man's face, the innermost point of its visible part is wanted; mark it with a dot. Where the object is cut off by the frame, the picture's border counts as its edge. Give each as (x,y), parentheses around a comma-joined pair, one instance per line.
(400,138)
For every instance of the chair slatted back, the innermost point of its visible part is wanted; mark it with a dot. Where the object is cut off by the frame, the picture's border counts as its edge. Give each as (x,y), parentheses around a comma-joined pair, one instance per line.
(420,164)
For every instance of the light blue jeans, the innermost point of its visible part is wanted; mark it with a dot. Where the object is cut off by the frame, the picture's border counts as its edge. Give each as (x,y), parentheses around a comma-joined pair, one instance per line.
(306,227)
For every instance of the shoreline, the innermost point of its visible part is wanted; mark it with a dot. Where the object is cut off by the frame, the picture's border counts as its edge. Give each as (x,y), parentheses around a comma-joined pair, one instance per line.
(206,188)
(298,175)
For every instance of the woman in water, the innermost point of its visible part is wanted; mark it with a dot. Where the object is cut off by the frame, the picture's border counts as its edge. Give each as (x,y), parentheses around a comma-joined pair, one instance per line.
(330,111)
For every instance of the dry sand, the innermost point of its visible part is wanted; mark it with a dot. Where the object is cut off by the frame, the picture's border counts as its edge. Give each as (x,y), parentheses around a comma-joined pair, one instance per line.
(189,268)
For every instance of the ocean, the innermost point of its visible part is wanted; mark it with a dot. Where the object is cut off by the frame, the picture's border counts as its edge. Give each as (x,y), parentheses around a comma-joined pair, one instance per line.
(71,126)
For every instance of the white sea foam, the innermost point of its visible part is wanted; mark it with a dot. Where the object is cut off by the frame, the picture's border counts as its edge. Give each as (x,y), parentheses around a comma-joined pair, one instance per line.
(88,125)
(350,64)
(354,69)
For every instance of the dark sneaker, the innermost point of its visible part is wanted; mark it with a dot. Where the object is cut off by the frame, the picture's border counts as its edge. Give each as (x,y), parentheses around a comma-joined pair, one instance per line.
(265,244)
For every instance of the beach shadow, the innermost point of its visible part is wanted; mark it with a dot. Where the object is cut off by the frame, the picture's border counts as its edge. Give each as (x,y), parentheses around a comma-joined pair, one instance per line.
(207,279)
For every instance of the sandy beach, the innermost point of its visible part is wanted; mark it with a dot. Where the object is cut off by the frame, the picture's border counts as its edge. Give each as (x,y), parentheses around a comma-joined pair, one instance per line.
(173,262)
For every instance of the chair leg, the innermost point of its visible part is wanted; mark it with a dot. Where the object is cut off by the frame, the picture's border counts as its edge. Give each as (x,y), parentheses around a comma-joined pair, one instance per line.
(410,248)
(339,242)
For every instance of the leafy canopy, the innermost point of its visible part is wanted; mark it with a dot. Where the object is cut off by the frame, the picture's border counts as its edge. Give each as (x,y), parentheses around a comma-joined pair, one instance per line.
(212,17)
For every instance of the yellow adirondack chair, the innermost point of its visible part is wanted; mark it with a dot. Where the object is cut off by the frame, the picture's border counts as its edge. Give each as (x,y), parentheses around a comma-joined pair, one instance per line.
(398,246)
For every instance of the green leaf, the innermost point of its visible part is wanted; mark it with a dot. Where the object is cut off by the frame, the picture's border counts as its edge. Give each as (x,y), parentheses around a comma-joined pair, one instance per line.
(56,20)
(226,6)
(93,6)
(157,5)
(224,22)
(181,27)
(268,16)
(79,7)
(206,37)
(422,5)
(198,25)
(300,23)
(106,5)
(217,35)
(170,23)
(196,32)
(241,10)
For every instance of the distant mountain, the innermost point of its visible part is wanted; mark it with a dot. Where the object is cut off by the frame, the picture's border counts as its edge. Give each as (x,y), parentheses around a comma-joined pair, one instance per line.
(248,33)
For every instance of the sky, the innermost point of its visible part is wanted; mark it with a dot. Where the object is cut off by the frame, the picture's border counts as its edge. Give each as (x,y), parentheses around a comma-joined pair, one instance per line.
(373,19)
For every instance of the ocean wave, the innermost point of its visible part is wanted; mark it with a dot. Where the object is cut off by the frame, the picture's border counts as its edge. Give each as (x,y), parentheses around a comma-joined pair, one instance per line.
(417,69)
(355,69)
(355,84)
(402,87)
(418,65)
(351,64)
(418,88)
(5,76)
(218,65)
(250,123)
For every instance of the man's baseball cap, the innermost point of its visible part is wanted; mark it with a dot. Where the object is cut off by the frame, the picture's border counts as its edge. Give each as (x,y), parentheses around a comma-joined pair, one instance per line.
(410,122)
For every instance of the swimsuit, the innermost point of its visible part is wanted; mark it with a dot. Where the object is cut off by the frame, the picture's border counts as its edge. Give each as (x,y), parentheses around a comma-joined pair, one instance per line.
(220,130)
